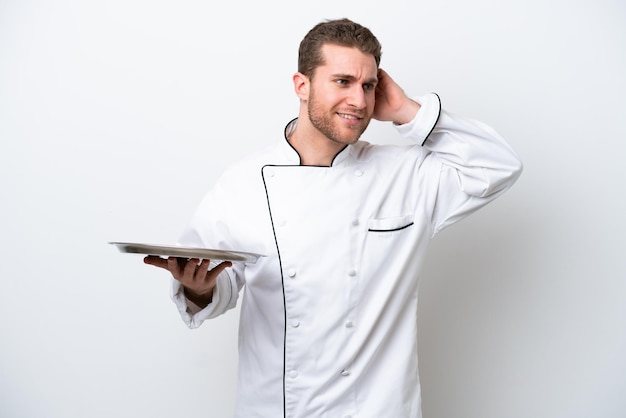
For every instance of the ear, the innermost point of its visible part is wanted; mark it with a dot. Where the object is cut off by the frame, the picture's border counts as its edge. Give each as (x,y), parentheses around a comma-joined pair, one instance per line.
(301,85)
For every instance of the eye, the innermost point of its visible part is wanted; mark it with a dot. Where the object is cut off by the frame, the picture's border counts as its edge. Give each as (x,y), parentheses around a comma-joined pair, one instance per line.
(368,86)
(342,81)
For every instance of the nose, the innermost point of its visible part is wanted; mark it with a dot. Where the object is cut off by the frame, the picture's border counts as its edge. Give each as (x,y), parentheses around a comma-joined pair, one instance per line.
(356,97)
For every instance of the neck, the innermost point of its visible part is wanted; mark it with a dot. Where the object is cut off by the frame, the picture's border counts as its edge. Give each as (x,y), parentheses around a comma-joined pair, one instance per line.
(314,148)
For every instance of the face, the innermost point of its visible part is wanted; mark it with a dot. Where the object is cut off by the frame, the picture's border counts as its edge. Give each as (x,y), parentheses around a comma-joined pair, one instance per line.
(342,92)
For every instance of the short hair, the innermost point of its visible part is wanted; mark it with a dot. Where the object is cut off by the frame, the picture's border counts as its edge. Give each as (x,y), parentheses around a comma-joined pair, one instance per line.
(342,32)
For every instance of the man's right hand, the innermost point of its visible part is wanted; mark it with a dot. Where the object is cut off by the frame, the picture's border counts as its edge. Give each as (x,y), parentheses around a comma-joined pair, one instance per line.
(195,276)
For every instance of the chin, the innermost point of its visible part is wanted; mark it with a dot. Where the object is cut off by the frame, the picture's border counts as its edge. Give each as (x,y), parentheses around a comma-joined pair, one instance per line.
(348,140)
(353,136)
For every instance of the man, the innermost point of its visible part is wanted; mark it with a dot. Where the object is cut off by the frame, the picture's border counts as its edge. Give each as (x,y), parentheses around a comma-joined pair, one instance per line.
(328,318)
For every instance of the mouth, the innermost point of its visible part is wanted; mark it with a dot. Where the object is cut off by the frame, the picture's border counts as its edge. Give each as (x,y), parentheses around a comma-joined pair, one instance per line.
(348,116)
(350,119)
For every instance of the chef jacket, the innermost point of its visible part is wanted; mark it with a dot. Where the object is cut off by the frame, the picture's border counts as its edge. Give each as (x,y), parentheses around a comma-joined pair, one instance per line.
(328,323)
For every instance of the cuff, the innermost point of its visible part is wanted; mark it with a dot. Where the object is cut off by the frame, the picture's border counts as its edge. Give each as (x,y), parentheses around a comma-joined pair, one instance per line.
(424,121)
(194,316)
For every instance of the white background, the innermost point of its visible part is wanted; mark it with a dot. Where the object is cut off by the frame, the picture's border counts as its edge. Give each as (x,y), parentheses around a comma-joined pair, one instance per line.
(116,116)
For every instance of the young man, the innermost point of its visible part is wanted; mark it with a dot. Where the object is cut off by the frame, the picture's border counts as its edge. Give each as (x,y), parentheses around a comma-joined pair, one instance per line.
(328,319)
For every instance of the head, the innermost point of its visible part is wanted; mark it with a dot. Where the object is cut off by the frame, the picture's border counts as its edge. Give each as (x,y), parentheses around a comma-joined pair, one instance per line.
(342,32)
(336,80)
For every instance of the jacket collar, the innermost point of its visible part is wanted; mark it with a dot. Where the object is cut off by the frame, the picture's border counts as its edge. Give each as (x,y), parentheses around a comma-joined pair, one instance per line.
(293,156)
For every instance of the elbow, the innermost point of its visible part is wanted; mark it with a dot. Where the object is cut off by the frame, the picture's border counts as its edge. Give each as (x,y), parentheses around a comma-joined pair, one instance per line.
(517,169)
(507,176)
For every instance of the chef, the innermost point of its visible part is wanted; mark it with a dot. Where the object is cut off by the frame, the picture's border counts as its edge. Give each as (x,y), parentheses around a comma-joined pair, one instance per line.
(328,323)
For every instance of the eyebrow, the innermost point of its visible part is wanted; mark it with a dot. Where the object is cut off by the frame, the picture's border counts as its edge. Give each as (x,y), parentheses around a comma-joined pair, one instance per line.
(373,80)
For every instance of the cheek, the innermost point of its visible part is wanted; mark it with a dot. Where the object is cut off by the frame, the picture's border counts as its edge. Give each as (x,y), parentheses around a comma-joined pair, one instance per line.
(370,99)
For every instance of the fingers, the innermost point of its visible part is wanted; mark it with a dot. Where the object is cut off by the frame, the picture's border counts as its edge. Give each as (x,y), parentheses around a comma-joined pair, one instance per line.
(193,274)
(221,267)
(154,260)
(208,277)
(182,269)
(383,77)
(392,104)
(193,269)
(187,270)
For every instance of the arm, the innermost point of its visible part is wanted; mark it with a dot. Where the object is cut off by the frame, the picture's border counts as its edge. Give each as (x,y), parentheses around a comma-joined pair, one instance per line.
(204,289)
(471,162)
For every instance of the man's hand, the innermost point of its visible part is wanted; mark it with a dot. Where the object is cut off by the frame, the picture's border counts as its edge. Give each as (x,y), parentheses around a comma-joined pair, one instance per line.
(391,102)
(193,274)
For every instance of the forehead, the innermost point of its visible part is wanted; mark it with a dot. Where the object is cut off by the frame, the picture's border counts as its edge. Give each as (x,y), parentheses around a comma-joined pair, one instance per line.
(347,60)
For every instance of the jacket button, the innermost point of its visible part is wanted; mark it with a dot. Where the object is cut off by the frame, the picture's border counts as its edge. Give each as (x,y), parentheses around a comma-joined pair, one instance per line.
(352,273)
(355,222)
(349,324)
(295,323)
(345,372)
(293,374)
(291,273)
(358,173)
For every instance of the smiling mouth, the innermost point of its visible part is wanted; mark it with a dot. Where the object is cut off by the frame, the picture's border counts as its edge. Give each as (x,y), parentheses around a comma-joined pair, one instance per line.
(349,117)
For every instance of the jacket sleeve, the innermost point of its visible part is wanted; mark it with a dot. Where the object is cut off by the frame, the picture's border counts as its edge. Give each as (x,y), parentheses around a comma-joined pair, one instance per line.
(207,229)
(472,163)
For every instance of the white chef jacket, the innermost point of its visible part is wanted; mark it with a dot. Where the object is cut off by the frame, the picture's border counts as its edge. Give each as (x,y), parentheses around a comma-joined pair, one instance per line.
(328,318)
